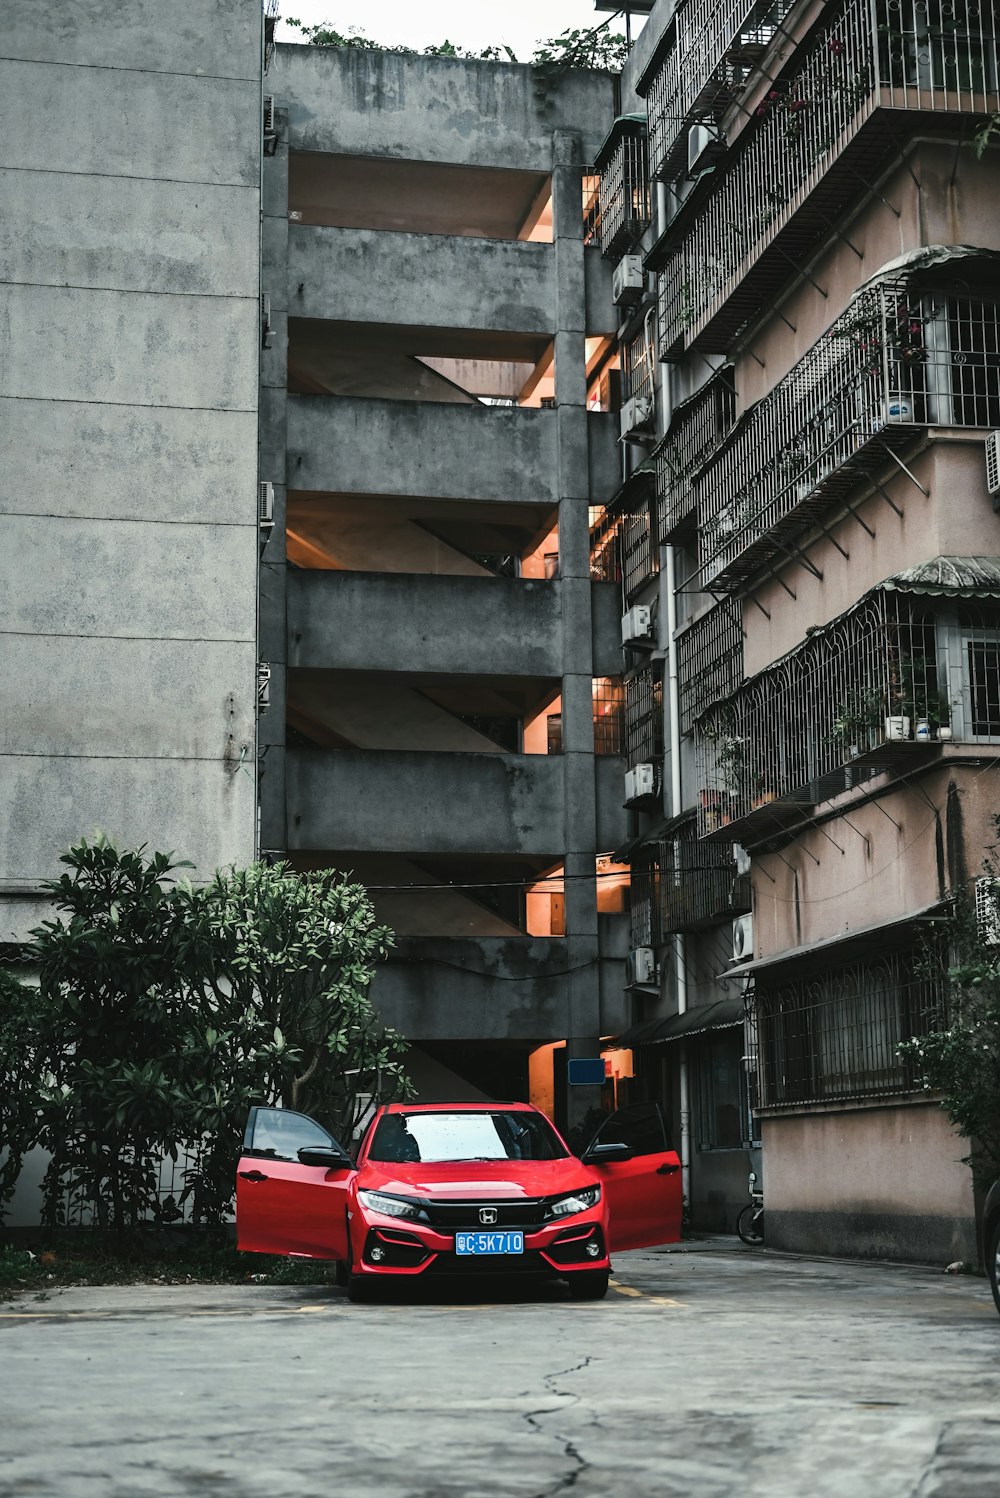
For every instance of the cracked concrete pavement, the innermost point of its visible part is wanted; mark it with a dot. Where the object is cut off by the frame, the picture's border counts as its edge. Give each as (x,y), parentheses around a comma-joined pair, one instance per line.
(709,1370)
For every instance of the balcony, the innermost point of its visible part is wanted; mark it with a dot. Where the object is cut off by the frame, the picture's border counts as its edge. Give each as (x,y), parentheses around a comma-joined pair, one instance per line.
(698,428)
(681,883)
(700,68)
(709,660)
(644,717)
(817,138)
(899,359)
(623,195)
(913,667)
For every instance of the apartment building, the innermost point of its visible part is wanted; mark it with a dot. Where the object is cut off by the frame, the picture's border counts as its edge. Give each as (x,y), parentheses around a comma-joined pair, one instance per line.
(813,444)
(445,715)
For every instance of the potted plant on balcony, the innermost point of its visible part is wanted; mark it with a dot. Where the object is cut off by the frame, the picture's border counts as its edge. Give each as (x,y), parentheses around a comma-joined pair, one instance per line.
(856,721)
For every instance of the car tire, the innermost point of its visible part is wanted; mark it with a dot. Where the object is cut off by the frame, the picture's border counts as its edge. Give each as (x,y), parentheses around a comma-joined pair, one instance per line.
(589,1284)
(340,1274)
(358,1289)
(993,1261)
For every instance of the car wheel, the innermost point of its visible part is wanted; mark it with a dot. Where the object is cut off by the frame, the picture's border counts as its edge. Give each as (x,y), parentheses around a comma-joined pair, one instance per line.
(993,1261)
(589,1284)
(750,1225)
(340,1274)
(358,1289)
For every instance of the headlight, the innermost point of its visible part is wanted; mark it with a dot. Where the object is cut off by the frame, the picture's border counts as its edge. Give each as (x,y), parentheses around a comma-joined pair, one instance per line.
(389,1206)
(578,1201)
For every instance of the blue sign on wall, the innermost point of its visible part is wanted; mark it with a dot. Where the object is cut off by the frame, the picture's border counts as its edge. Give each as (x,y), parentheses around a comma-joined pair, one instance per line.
(585,1071)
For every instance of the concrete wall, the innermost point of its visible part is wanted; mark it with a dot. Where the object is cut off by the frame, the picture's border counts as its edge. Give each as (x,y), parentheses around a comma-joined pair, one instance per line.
(425,802)
(881,1183)
(422,280)
(128,297)
(417,622)
(371,103)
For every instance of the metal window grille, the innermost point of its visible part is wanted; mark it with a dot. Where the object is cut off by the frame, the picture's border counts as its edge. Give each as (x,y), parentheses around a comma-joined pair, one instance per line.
(709,660)
(644,717)
(933,56)
(724,1118)
(591,207)
(896,359)
(640,554)
(697,429)
(834,1035)
(624,201)
(718,46)
(646,905)
(609,715)
(605,545)
(700,885)
(895,668)
(638,359)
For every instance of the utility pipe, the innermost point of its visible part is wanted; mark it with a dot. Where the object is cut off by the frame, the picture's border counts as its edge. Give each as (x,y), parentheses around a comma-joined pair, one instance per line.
(680,955)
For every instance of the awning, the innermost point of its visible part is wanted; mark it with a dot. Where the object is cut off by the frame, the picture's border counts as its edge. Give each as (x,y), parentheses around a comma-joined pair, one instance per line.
(724,1014)
(961,577)
(622,125)
(847,946)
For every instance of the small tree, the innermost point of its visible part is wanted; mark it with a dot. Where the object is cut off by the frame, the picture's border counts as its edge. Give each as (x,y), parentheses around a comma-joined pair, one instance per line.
(19,1066)
(962,1061)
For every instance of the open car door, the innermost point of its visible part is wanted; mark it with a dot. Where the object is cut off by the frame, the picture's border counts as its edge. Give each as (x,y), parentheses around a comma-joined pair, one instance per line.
(291,1187)
(642,1186)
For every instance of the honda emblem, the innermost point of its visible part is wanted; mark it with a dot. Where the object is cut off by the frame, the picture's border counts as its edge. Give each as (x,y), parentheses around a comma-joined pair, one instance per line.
(487,1216)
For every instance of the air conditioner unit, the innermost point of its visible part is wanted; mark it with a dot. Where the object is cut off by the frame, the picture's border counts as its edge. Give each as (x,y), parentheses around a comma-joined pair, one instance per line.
(704,148)
(637,624)
(266,331)
(993,463)
(270,126)
(628,281)
(741,858)
(988,911)
(636,415)
(743,938)
(640,782)
(265,509)
(640,966)
(263,686)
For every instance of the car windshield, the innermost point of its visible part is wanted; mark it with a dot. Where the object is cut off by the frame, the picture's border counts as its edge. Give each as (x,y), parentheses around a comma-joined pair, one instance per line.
(430,1137)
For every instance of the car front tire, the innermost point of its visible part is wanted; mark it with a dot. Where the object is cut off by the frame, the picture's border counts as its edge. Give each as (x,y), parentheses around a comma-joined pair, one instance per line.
(589,1284)
(993,1261)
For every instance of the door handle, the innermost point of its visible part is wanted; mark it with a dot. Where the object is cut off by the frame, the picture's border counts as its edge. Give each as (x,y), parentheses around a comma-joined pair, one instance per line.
(252,1175)
(667,1170)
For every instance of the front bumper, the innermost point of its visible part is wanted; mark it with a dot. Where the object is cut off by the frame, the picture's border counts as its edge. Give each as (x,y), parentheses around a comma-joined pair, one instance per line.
(563,1247)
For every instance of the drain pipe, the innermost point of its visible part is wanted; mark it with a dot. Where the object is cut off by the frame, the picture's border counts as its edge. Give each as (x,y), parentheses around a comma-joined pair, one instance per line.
(680,955)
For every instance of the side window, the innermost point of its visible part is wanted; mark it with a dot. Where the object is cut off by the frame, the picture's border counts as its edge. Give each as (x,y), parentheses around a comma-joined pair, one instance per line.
(639,1125)
(280,1135)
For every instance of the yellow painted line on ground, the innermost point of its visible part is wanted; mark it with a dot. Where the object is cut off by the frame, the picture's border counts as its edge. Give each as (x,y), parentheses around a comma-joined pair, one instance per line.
(624,1289)
(665,1300)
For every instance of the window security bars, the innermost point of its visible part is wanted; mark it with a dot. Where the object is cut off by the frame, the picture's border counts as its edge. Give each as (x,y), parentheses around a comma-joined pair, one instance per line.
(698,427)
(832,1037)
(709,660)
(724,1114)
(624,204)
(645,896)
(644,717)
(718,45)
(609,715)
(897,358)
(640,554)
(885,678)
(638,355)
(605,546)
(700,885)
(925,55)
(591,207)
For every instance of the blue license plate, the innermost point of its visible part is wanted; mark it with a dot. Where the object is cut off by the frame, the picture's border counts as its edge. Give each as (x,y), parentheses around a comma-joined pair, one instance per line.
(489,1243)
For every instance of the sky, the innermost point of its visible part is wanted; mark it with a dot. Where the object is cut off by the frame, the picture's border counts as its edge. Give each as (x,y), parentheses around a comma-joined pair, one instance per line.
(520,24)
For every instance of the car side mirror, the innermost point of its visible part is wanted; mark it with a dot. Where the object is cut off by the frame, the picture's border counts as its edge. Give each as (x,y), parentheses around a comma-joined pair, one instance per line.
(332,1159)
(604,1154)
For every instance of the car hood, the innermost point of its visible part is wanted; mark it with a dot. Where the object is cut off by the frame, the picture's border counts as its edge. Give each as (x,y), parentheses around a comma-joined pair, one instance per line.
(465,1180)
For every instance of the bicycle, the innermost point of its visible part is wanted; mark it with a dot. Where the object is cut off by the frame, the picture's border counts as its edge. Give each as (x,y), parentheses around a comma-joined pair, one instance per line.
(750,1223)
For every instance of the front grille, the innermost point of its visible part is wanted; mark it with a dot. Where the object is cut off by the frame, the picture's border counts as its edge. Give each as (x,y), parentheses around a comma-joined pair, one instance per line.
(460,1215)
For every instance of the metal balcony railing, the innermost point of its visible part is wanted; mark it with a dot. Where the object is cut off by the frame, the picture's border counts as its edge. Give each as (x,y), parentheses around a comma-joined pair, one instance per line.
(644,717)
(605,545)
(711,56)
(817,135)
(696,431)
(700,885)
(709,660)
(624,199)
(896,360)
(892,678)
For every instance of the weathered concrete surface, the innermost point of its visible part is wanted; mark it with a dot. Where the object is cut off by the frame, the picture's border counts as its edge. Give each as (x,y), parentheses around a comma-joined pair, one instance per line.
(427,802)
(426,280)
(418,447)
(435,109)
(413,622)
(707,1371)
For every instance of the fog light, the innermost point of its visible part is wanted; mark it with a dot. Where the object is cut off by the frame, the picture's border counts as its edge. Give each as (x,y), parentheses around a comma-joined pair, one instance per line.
(376,1254)
(593,1249)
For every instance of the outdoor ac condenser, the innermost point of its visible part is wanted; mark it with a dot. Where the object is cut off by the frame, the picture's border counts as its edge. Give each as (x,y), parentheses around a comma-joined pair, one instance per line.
(636,415)
(640,966)
(628,281)
(637,624)
(640,782)
(743,938)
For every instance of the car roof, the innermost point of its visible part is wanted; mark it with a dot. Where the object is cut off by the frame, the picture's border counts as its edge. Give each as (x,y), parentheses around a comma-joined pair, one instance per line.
(459,1107)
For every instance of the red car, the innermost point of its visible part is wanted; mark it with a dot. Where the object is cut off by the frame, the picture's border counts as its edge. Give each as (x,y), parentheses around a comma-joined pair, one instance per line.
(458,1189)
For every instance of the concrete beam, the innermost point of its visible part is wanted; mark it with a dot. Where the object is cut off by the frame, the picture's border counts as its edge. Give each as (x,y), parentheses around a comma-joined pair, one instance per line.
(425,802)
(404,622)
